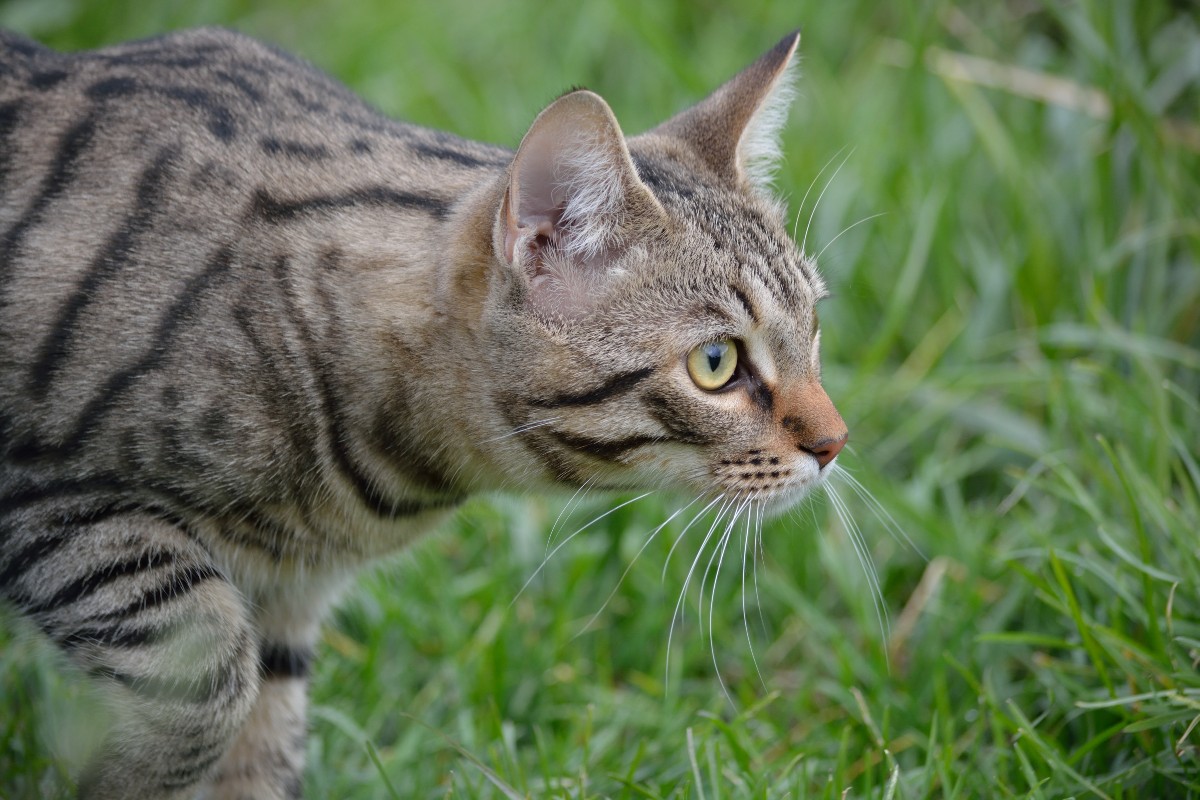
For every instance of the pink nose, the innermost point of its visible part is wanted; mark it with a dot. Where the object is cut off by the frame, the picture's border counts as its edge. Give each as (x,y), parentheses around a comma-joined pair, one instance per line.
(827,449)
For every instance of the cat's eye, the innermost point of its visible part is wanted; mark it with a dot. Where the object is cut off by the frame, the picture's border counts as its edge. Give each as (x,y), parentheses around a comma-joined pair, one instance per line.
(712,365)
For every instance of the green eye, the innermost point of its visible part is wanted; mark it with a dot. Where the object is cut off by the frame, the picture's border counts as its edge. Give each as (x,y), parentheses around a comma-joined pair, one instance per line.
(711,365)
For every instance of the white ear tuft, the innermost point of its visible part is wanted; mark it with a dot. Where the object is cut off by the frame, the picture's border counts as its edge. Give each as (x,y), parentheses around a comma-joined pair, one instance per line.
(572,194)
(591,186)
(758,149)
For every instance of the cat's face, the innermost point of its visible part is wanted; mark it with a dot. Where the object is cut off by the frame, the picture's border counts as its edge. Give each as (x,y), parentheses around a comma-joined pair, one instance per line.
(694,363)
(670,317)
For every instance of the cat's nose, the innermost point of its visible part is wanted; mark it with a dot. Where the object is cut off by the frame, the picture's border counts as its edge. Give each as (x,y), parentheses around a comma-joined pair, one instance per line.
(826,450)
(815,425)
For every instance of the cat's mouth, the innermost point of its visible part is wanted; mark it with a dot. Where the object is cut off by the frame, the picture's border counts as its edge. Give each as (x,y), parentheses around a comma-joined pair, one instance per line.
(773,484)
(756,473)
(773,481)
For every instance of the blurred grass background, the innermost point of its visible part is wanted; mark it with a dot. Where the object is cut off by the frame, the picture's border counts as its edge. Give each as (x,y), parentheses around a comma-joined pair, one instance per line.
(1015,344)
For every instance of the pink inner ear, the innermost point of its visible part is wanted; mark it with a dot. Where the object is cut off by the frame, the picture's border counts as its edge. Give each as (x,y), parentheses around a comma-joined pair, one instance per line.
(526,234)
(571,188)
(570,177)
(560,285)
(531,210)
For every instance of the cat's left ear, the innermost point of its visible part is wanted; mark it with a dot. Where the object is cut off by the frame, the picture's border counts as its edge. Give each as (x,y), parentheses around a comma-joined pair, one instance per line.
(573,199)
(735,130)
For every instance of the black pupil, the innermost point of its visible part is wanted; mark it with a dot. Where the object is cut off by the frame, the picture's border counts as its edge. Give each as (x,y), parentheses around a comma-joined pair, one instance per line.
(715,353)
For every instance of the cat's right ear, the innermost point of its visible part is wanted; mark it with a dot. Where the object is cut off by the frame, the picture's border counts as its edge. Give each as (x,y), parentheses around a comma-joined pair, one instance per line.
(573,198)
(735,130)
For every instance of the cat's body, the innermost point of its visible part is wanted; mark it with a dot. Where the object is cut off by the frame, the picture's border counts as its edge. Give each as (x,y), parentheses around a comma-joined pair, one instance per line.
(253,335)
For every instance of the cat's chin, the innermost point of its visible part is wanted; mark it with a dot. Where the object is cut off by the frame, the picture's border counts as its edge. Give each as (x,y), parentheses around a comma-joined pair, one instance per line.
(785,500)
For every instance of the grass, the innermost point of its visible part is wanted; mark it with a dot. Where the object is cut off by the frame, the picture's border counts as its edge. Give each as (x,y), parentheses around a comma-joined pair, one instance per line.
(1015,344)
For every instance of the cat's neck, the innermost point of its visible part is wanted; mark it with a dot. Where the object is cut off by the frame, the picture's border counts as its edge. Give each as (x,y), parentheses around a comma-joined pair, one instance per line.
(407,311)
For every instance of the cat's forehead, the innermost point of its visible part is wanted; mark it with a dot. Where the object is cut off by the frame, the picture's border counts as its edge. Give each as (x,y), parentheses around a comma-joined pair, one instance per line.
(731,241)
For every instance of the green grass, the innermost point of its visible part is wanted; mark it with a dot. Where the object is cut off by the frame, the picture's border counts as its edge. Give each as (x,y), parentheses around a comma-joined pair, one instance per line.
(1015,345)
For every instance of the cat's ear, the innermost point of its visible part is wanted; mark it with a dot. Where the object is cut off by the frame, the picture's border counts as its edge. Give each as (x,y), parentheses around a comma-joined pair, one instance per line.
(573,198)
(736,129)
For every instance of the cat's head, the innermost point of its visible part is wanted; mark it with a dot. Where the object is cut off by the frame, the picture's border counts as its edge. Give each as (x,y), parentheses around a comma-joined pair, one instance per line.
(653,322)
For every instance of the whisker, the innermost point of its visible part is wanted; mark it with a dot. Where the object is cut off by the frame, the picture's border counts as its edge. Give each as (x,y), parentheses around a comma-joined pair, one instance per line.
(719,558)
(625,574)
(864,559)
(722,545)
(758,544)
(877,508)
(676,615)
(564,543)
(737,512)
(679,538)
(812,183)
(563,513)
(858,540)
(724,509)
(750,518)
(523,428)
(816,205)
(846,230)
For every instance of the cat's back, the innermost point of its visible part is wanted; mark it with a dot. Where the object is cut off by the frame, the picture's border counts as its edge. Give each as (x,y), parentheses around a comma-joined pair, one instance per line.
(234,110)
(149,194)
(215,70)
(133,164)
(183,129)
(215,93)
(209,87)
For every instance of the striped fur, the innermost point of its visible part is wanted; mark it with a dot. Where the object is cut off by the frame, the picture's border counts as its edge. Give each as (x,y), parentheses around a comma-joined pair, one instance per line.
(254,335)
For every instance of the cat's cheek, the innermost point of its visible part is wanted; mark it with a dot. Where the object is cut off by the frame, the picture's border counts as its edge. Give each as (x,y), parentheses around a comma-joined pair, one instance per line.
(672,470)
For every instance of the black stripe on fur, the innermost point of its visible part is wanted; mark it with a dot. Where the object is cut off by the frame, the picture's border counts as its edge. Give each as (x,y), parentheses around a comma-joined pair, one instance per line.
(281,662)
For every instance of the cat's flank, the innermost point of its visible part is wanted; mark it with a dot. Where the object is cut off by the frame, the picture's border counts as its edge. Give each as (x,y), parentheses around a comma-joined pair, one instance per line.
(254,335)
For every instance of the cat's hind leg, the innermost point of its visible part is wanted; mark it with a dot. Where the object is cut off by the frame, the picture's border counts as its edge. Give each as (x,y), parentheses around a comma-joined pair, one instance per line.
(138,604)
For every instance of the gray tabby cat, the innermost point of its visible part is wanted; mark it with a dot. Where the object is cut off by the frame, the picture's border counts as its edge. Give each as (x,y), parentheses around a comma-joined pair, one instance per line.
(254,335)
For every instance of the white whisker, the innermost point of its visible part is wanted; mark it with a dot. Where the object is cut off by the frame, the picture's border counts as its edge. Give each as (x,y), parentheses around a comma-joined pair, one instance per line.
(679,538)
(750,519)
(737,512)
(812,183)
(687,579)
(722,545)
(564,543)
(878,509)
(563,514)
(625,574)
(758,545)
(523,428)
(846,230)
(816,205)
(677,616)
(864,559)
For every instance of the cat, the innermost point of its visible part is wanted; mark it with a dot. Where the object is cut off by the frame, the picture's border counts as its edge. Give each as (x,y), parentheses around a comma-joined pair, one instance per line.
(254,335)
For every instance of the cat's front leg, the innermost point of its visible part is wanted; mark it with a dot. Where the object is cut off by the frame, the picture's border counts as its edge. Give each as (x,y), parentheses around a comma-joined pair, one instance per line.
(266,761)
